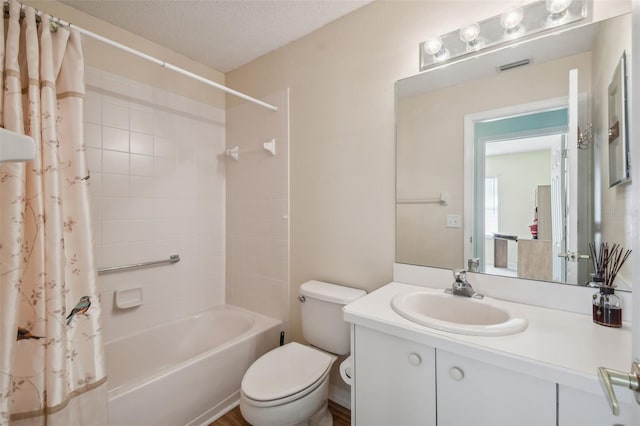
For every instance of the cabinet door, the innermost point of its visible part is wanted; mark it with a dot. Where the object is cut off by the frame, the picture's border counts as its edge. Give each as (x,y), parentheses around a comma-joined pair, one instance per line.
(474,393)
(394,381)
(580,408)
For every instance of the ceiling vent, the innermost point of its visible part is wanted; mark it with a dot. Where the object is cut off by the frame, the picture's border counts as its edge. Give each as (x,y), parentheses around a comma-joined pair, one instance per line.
(515,64)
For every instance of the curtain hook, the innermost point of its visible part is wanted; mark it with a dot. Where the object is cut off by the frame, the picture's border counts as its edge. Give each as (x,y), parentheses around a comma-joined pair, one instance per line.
(53,26)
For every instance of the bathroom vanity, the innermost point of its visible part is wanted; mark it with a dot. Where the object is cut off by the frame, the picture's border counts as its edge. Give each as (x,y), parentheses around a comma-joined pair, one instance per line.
(410,374)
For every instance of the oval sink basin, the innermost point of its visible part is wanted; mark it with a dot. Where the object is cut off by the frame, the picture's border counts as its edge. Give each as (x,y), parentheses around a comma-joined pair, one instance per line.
(457,314)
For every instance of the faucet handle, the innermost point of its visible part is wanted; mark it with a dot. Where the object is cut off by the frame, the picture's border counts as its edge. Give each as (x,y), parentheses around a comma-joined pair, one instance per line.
(460,275)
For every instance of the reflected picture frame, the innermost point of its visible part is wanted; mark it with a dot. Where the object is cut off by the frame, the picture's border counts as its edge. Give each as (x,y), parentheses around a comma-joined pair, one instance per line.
(618,133)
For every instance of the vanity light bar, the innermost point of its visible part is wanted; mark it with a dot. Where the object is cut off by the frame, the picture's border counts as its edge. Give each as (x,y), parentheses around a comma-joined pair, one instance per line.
(511,27)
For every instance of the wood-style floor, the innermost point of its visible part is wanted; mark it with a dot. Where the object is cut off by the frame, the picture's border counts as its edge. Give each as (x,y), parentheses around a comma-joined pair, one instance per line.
(341,417)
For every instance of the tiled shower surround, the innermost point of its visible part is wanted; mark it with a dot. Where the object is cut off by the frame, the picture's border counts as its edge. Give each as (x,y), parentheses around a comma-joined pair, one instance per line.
(158,188)
(258,209)
(161,184)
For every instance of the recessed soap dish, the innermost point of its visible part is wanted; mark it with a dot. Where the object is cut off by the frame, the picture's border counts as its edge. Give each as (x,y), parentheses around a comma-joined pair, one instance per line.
(128,298)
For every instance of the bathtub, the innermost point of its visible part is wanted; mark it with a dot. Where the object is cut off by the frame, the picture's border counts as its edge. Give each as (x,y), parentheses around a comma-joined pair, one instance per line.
(185,372)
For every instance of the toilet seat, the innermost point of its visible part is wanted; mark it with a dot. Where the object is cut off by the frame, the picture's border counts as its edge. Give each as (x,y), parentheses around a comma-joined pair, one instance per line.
(286,374)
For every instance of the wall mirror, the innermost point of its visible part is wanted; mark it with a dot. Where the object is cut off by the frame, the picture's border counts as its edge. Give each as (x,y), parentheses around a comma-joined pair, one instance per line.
(495,143)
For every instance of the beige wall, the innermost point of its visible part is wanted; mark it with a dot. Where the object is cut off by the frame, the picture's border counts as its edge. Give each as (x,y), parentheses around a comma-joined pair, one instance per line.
(519,176)
(616,208)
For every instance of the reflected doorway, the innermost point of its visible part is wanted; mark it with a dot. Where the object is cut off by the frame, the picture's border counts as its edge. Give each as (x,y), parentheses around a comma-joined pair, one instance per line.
(520,183)
(524,187)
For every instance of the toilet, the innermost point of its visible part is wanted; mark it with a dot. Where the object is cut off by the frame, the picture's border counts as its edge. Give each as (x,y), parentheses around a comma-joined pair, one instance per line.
(289,386)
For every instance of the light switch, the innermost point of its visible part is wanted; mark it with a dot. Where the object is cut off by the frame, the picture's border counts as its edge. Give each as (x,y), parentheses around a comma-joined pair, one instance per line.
(454,221)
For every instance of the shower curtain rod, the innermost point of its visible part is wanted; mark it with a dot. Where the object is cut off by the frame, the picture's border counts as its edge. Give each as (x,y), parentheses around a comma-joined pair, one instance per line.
(155,60)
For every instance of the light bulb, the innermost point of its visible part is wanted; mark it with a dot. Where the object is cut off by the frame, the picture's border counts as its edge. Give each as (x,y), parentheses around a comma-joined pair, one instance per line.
(511,19)
(557,8)
(469,33)
(442,55)
(432,45)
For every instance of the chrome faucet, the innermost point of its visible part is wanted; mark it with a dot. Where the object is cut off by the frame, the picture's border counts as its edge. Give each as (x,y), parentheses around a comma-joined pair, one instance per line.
(462,287)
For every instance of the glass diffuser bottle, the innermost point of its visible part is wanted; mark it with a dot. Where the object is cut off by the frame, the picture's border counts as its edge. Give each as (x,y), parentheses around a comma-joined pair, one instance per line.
(607,261)
(607,308)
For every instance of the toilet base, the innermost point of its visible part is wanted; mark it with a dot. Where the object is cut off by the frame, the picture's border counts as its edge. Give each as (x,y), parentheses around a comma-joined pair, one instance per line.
(322,418)
(310,410)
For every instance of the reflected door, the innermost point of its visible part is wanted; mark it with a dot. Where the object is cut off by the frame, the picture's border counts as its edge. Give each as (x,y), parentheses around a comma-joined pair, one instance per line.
(558,210)
(512,168)
(579,195)
(572,181)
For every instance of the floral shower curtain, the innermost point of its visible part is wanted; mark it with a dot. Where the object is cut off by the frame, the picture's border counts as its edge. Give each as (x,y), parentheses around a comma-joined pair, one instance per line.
(52,368)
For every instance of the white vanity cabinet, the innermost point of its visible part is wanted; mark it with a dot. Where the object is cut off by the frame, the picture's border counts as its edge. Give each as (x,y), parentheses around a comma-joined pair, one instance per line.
(395,384)
(471,392)
(394,381)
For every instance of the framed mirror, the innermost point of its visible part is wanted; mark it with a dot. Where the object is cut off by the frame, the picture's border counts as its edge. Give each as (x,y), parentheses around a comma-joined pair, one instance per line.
(501,144)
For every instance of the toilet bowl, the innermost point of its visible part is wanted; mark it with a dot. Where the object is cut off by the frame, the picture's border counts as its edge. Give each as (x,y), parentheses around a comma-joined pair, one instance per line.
(289,386)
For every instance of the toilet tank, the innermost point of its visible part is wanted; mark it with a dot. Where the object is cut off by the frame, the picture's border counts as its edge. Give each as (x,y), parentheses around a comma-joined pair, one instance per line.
(323,325)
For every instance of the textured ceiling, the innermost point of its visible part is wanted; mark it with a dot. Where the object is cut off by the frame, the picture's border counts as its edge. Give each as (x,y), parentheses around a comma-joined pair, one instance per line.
(223,34)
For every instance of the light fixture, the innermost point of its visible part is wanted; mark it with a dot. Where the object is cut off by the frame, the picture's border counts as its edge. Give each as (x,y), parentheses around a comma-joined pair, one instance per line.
(511,21)
(516,23)
(471,35)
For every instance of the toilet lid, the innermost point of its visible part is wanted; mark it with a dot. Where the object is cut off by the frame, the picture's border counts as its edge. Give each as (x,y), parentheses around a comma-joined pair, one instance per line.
(284,371)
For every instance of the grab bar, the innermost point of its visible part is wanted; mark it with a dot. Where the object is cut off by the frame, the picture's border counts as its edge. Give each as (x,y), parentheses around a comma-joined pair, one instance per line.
(174,258)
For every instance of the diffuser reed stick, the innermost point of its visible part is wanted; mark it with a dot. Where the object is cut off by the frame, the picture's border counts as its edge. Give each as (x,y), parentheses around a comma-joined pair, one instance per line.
(607,261)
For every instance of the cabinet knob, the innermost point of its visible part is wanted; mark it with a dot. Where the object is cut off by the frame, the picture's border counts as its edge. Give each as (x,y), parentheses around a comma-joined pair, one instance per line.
(456,373)
(414,359)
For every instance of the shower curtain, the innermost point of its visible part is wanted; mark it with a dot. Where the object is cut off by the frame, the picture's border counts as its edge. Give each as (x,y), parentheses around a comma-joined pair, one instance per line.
(52,368)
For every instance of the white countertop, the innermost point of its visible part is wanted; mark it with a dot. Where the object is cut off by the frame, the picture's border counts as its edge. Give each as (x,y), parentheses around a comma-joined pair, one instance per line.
(563,347)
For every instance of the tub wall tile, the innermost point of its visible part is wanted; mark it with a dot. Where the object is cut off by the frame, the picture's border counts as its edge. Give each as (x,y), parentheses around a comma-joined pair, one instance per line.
(158,188)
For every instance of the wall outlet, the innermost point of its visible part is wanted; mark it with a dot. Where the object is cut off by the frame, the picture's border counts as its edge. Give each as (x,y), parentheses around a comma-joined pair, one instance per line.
(454,221)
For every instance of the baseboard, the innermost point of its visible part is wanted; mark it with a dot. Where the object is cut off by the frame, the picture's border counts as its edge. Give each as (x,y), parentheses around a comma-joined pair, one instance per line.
(340,396)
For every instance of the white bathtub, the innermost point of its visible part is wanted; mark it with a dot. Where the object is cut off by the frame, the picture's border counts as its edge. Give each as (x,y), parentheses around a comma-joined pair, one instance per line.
(185,372)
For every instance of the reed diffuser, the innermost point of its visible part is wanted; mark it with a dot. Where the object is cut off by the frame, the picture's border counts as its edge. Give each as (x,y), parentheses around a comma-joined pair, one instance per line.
(607,261)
